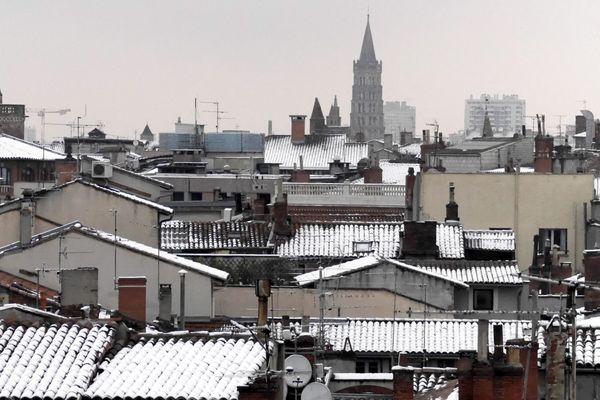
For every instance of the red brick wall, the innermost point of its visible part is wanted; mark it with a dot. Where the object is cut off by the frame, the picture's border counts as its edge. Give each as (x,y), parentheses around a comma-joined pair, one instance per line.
(403,384)
(132,297)
(298,129)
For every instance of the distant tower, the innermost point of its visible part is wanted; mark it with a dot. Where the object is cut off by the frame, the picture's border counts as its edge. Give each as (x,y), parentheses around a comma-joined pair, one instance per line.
(317,120)
(366,116)
(487,126)
(334,119)
(147,134)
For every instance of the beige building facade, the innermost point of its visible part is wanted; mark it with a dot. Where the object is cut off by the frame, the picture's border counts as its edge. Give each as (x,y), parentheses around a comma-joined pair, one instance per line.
(529,204)
(132,259)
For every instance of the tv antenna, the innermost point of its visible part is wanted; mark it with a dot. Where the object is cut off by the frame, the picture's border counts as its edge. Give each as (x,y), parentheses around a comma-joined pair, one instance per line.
(217,112)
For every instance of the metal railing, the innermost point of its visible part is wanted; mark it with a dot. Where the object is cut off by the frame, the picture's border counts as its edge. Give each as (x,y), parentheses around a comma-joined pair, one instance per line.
(332,189)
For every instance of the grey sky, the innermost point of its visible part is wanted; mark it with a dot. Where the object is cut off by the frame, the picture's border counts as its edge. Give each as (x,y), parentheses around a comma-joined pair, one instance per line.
(138,61)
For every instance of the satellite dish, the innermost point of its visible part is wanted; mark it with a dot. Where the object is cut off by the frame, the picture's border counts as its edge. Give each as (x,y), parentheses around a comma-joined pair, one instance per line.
(316,391)
(298,371)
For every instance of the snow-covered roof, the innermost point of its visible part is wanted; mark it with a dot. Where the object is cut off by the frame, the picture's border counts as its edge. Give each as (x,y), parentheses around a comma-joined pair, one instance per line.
(12,148)
(450,241)
(394,172)
(317,151)
(412,149)
(178,367)
(50,361)
(490,239)
(364,263)
(184,235)
(522,170)
(472,272)
(342,240)
(441,336)
(338,270)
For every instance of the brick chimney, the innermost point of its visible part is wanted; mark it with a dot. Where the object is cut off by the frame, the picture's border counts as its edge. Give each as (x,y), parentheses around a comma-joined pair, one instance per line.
(388,141)
(544,147)
(66,170)
(298,128)
(373,174)
(300,175)
(591,265)
(464,367)
(132,296)
(420,238)
(281,223)
(556,341)
(452,206)
(528,353)
(403,382)
(409,192)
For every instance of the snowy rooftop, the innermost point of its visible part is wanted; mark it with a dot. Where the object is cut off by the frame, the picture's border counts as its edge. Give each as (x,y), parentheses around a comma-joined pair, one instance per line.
(450,241)
(393,172)
(317,151)
(12,148)
(458,272)
(50,362)
(473,272)
(342,240)
(178,368)
(487,239)
(183,235)
(442,336)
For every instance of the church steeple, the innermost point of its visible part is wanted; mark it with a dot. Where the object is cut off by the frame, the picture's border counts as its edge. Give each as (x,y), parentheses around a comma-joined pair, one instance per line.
(366,114)
(317,120)
(334,119)
(367,52)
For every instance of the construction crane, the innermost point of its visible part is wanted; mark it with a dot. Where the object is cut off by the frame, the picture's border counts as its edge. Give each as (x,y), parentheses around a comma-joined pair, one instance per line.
(41,112)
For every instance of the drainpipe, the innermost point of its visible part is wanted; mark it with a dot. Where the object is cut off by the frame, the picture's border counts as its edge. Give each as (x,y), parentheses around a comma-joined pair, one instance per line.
(182,273)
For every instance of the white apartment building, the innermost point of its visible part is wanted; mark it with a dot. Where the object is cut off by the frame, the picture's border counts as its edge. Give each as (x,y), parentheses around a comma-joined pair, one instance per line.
(506,114)
(399,117)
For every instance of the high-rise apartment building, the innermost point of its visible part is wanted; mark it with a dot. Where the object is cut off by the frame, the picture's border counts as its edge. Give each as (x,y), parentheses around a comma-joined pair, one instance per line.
(506,114)
(399,117)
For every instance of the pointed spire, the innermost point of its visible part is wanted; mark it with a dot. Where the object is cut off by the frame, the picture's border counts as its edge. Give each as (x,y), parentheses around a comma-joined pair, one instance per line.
(317,120)
(487,126)
(335,104)
(367,52)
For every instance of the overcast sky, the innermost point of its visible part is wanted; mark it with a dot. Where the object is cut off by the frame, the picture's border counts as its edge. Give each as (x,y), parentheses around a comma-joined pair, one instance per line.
(134,62)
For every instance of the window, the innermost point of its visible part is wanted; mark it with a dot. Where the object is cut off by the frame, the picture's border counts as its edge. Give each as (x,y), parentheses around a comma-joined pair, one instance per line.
(367,366)
(177,196)
(556,237)
(196,196)
(483,299)
(27,174)
(5,176)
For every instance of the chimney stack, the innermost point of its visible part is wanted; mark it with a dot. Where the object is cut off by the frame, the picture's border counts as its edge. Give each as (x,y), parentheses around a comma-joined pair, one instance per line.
(132,296)
(182,274)
(452,206)
(270,128)
(263,292)
(482,341)
(298,128)
(544,148)
(409,193)
(26,218)
(403,382)
(165,301)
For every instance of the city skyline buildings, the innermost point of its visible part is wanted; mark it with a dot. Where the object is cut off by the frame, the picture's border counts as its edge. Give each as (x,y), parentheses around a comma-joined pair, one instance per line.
(261,65)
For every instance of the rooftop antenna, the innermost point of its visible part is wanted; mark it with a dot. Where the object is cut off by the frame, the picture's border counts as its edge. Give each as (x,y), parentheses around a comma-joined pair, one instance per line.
(217,112)
(584,101)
